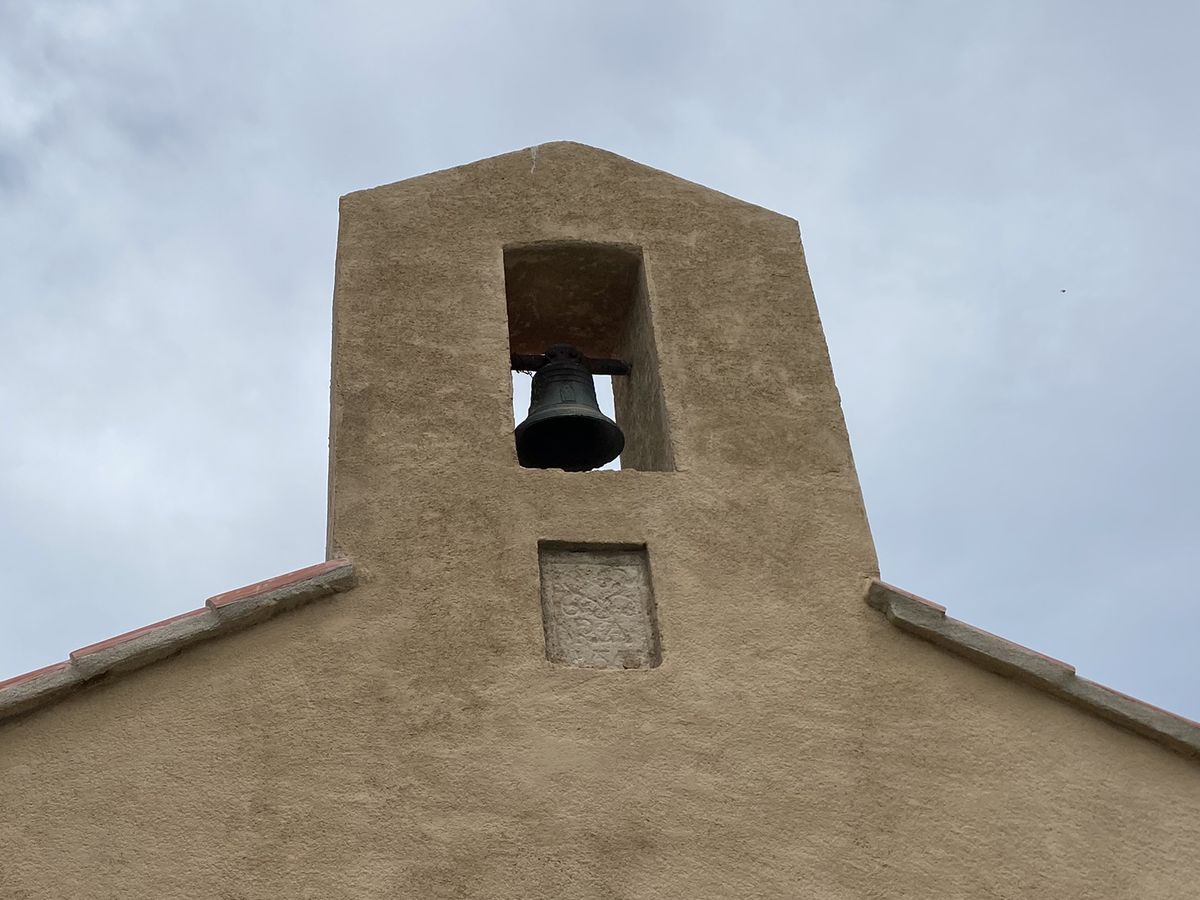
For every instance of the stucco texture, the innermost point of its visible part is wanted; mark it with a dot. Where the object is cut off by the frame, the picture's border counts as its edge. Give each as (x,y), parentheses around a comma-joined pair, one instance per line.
(409,738)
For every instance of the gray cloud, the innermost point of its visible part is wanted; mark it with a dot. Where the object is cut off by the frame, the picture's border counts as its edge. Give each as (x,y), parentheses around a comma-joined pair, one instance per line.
(168,184)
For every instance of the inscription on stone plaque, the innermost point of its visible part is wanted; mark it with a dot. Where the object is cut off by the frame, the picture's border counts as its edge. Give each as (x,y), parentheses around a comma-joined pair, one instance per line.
(598,607)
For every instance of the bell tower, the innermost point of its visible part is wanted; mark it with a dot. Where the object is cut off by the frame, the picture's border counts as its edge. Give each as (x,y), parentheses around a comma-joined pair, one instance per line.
(697,303)
(736,469)
(577,640)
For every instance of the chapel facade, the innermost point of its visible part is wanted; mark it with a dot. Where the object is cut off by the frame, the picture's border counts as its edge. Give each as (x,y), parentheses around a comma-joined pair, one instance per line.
(682,679)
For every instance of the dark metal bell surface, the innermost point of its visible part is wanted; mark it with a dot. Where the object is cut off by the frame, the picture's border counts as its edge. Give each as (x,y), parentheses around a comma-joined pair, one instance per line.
(565,428)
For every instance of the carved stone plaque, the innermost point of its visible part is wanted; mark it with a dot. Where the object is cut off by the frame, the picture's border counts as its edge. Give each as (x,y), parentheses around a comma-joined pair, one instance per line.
(598,607)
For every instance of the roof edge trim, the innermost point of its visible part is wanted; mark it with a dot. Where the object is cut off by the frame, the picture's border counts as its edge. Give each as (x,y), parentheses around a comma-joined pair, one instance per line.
(928,620)
(222,614)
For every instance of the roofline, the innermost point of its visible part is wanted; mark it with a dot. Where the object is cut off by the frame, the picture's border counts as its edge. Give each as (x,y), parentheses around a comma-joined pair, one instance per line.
(220,615)
(238,609)
(928,620)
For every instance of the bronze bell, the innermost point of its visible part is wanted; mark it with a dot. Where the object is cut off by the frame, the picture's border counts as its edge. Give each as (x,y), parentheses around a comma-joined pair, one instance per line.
(565,428)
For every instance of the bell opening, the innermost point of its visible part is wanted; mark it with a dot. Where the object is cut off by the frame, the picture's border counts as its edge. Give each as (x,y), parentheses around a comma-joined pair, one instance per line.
(595,298)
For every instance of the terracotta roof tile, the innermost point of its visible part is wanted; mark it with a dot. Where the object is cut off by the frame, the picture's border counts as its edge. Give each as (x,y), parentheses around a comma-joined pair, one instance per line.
(913,597)
(29,676)
(279,581)
(222,614)
(929,621)
(137,632)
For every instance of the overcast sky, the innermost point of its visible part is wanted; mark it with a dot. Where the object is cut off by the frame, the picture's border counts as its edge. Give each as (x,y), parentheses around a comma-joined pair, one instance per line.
(1000,205)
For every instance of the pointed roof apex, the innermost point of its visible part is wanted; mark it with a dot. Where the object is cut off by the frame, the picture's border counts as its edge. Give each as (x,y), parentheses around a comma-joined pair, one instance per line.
(560,155)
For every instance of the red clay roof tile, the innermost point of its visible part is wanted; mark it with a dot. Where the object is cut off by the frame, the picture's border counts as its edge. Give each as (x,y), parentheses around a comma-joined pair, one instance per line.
(271,584)
(130,635)
(29,676)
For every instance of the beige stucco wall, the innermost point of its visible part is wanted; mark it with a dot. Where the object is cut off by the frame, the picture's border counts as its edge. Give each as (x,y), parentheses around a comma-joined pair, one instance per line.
(408,738)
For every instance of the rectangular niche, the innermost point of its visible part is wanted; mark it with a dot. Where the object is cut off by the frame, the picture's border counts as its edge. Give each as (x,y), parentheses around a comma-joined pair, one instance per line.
(594,296)
(598,606)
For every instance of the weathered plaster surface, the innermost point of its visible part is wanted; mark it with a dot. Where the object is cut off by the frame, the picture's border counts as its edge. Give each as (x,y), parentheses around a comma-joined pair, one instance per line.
(412,740)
